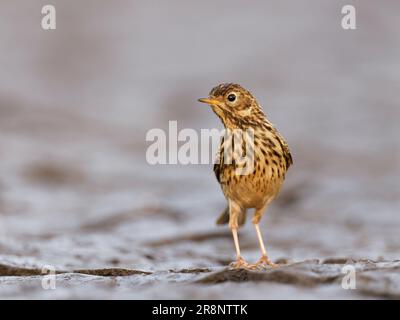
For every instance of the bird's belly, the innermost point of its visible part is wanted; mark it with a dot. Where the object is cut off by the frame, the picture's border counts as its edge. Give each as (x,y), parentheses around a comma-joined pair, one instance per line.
(251,193)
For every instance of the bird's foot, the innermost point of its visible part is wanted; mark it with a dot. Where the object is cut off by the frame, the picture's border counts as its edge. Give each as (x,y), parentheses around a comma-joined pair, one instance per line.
(264,263)
(240,263)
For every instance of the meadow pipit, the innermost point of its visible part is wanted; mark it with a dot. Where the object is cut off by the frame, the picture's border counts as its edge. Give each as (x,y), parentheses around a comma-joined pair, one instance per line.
(239,110)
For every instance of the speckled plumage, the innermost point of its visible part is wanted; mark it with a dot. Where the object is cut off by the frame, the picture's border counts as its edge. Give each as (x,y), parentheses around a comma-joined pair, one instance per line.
(272,157)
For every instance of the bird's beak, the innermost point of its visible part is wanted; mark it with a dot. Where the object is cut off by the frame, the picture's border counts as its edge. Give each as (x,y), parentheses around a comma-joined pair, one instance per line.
(211,102)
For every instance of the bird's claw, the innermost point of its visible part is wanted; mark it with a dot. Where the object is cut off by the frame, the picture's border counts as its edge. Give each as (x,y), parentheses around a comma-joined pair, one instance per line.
(265,263)
(240,263)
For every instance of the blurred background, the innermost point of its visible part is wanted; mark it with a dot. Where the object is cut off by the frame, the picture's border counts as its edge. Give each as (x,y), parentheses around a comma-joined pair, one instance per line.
(76,104)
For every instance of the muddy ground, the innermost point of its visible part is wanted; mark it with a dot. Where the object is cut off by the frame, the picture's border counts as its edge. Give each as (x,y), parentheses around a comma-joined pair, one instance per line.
(76,191)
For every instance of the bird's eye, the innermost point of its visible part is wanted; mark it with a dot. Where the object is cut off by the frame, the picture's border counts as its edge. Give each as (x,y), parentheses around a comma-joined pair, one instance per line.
(231,97)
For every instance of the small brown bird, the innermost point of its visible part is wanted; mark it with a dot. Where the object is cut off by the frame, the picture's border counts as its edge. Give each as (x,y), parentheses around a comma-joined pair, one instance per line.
(239,110)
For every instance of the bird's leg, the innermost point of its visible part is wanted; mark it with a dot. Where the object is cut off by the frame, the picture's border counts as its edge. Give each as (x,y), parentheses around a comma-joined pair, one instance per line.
(240,263)
(234,210)
(264,261)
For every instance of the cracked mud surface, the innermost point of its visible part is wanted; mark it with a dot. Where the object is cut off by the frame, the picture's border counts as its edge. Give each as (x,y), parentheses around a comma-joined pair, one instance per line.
(76,192)
(313,278)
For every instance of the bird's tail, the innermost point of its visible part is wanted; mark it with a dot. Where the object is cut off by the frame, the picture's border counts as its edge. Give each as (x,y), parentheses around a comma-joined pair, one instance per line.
(224,217)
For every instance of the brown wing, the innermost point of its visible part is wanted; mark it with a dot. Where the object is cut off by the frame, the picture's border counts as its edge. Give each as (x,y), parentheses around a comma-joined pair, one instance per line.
(285,148)
(219,161)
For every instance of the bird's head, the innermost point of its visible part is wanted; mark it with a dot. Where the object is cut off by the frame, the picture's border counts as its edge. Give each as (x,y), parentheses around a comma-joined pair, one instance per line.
(233,104)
